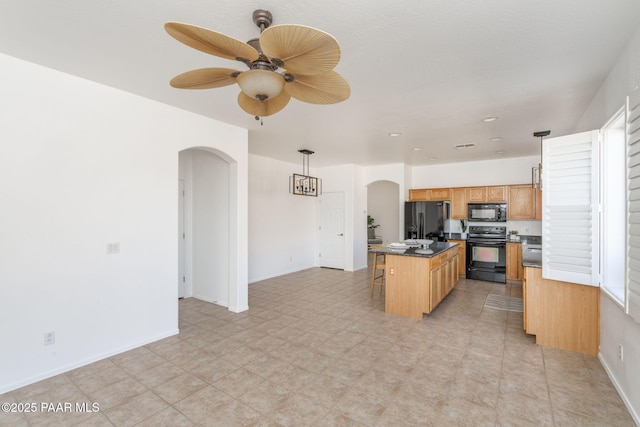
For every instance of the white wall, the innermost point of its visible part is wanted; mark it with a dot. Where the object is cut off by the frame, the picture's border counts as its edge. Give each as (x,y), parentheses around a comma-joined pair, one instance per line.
(83,165)
(380,198)
(282,226)
(210,235)
(350,179)
(515,170)
(615,326)
(359,248)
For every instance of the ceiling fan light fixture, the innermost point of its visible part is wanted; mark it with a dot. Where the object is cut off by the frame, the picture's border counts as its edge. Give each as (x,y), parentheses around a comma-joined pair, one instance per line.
(260,84)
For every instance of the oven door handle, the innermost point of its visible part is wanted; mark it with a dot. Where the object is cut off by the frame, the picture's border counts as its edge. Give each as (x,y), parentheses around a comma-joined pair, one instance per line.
(497,244)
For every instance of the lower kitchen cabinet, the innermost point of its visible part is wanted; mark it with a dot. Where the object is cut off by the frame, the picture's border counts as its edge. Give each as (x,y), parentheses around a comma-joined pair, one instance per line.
(462,257)
(514,261)
(415,285)
(561,314)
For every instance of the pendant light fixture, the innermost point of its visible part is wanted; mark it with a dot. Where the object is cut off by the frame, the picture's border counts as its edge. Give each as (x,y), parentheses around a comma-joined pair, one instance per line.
(305,185)
(536,172)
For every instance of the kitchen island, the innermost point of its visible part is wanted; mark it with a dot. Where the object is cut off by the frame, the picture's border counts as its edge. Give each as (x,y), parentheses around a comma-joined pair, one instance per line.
(417,280)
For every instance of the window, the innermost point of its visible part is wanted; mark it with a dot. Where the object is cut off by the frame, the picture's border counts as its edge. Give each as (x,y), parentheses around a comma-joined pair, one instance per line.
(613,215)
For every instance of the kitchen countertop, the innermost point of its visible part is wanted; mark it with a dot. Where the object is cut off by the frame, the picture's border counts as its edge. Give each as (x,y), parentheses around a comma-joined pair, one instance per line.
(526,239)
(436,247)
(534,264)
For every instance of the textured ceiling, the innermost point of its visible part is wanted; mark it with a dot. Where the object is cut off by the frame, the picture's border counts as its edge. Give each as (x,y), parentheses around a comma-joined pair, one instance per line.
(428,69)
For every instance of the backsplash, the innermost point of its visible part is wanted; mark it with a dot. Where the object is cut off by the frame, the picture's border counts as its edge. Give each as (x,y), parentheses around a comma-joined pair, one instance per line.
(526,228)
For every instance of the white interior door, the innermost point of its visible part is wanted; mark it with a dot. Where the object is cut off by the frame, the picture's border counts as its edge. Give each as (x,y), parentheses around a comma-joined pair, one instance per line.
(332,230)
(181,238)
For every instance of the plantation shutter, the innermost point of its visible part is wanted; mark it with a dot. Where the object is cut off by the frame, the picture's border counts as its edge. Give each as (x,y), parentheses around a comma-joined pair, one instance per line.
(633,205)
(570,208)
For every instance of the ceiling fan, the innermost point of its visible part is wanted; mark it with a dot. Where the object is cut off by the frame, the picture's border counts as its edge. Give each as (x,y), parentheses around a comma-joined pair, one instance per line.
(285,61)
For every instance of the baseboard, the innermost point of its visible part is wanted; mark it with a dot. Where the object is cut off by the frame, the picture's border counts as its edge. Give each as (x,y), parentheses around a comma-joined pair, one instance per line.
(239,309)
(623,396)
(71,366)
(281,273)
(211,300)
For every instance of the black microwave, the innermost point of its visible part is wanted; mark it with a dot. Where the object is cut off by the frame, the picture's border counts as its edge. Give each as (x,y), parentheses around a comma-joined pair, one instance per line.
(489,212)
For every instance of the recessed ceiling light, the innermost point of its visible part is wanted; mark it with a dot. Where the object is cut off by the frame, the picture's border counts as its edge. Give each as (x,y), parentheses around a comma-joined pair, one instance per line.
(394,134)
(496,139)
(464,146)
(489,119)
(417,148)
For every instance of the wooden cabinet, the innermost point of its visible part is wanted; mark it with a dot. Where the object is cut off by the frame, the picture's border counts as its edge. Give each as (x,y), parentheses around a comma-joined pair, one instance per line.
(458,203)
(418,195)
(538,204)
(514,261)
(437,194)
(435,283)
(561,314)
(525,308)
(429,194)
(443,277)
(462,257)
(497,193)
(416,285)
(476,194)
(522,202)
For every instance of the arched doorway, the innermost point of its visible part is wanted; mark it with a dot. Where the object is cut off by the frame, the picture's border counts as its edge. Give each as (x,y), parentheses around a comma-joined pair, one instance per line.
(382,205)
(207,224)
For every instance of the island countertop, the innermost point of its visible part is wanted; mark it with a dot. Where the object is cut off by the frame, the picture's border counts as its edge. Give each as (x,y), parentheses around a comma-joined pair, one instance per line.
(435,249)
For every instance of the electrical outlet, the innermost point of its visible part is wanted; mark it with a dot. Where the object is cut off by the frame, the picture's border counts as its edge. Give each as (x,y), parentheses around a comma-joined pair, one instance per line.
(620,352)
(50,338)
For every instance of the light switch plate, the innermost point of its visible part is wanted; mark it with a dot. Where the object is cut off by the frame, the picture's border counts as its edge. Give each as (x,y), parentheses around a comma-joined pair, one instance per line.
(113,248)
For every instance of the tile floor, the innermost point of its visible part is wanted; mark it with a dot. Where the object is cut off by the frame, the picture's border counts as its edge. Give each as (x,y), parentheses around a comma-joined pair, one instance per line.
(315,350)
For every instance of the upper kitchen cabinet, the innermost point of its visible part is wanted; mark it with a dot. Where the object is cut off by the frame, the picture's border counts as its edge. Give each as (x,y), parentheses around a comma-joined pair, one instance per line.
(437,194)
(494,193)
(429,194)
(523,202)
(497,193)
(476,194)
(418,195)
(459,203)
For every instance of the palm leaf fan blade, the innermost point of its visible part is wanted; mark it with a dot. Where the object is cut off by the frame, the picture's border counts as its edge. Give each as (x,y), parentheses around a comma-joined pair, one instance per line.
(304,50)
(210,41)
(326,88)
(204,78)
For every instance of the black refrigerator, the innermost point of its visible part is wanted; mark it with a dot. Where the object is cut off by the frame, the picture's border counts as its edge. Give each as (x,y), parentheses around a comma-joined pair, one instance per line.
(425,220)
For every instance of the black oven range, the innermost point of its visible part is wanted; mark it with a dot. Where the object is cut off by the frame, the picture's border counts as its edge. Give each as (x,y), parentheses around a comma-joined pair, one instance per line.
(487,253)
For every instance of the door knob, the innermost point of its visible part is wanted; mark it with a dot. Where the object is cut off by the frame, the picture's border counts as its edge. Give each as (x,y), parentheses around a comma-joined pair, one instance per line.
(341,234)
